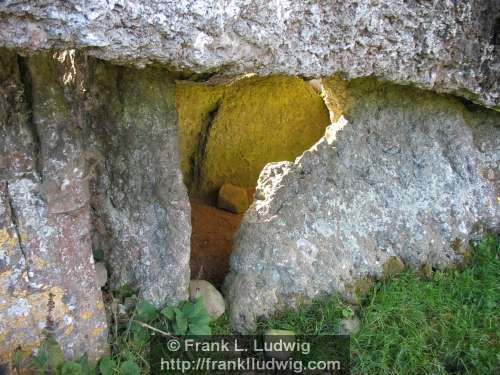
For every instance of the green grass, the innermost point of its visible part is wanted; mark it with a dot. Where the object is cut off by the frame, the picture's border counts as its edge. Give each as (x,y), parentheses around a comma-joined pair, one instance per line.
(447,325)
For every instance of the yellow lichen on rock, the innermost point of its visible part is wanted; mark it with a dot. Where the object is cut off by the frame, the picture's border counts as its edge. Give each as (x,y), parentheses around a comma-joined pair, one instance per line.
(27,315)
(6,239)
(336,96)
(229,133)
(195,102)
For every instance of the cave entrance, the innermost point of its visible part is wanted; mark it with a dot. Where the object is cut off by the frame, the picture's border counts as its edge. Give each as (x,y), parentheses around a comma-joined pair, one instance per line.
(227,134)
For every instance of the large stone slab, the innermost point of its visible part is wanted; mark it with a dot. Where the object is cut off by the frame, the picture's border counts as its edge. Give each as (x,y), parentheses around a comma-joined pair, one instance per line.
(47,276)
(403,173)
(443,45)
(141,210)
(89,162)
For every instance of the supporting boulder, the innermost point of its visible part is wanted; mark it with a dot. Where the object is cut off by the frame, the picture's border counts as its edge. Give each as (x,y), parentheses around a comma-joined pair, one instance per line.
(402,174)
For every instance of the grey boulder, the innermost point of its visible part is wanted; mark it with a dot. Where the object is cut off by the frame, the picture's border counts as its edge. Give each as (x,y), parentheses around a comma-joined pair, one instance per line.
(401,173)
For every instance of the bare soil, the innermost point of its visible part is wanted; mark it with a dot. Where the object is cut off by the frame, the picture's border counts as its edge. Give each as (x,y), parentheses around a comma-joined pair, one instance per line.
(211,241)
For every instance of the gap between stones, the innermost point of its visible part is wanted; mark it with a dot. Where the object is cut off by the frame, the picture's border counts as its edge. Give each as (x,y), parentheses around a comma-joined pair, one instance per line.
(217,211)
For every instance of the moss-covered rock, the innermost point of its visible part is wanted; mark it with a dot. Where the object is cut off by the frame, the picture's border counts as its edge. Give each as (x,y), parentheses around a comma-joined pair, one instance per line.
(393,266)
(228,133)
(426,270)
(359,289)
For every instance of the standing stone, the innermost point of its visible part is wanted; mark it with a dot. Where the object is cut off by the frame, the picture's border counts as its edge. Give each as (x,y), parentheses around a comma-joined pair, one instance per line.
(89,162)
(47,277)
(141,209)
(400,174)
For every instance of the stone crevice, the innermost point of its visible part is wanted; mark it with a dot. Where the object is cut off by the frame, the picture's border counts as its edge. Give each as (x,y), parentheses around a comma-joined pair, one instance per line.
(198,158)
(26,82)
(17,230)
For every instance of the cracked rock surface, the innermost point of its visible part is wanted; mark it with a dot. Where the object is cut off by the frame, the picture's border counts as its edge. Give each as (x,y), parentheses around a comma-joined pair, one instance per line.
(47,276)
(89,161)
(441,45)
(403,173)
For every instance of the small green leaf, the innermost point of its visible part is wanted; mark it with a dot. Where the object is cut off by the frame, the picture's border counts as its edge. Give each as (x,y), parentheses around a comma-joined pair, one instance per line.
(141,334)
(129,368)
(347,313)
(199,308)
(204,319)
(107,366)
(177,310)
(200,329)
(71,368)
(128,354)
(145,311)
(87,367)
(180,325)
(187,309)
(40,361)
(168,312)
(125,291)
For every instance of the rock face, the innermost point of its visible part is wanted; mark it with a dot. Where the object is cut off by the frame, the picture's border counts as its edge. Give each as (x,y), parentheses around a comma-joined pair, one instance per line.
(228,132)
(402,173)
(142,214)
(443,45)
(88,162)
(47,276)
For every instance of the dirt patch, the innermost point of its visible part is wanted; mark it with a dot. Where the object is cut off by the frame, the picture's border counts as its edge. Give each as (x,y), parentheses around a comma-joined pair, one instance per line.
(211,241)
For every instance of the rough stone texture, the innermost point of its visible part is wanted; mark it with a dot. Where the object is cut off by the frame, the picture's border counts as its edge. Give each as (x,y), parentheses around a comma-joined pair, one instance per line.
(403,173)
(101,274)
(229,132)
(47,276)
(212,299)
(142,214)
(349,326)
(89,161)
(233,198)
(443,45)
